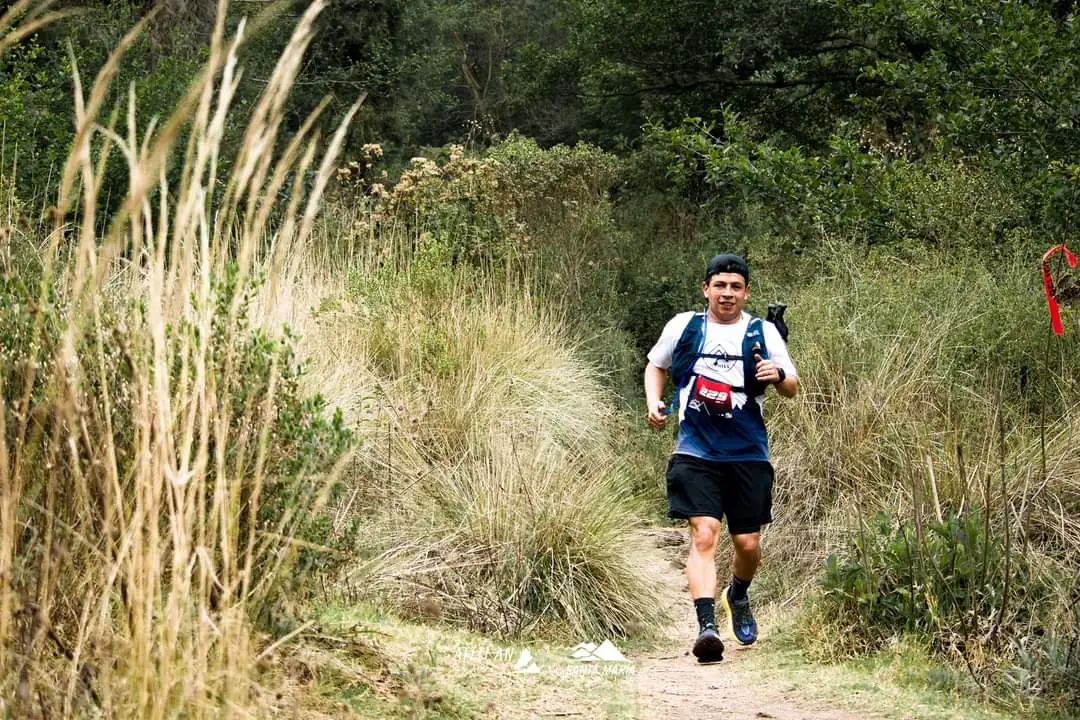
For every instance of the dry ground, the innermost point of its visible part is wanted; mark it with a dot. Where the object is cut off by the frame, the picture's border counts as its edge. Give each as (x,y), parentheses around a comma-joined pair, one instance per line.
(427,671)
(669,682)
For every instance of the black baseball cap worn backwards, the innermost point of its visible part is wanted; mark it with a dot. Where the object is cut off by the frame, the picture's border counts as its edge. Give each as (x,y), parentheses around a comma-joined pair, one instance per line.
(727,263)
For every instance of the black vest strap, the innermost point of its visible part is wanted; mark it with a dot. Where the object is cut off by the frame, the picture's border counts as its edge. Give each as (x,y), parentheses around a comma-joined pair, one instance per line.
(719,356)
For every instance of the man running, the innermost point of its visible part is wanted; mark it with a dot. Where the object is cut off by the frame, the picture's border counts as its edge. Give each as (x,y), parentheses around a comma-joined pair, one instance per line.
(721,362)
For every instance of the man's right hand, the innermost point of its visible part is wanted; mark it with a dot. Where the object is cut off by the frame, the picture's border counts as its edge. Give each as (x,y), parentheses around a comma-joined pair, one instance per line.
(657,417)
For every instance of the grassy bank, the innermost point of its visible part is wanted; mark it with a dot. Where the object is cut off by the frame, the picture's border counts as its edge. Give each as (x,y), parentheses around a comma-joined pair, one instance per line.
(929,456)
(175,490)
(489,490)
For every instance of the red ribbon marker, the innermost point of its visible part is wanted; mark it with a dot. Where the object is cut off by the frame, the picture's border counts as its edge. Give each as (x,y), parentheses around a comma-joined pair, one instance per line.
(1048,284)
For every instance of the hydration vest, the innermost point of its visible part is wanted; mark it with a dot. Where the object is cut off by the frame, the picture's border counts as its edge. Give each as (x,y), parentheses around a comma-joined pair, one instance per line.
(688,350)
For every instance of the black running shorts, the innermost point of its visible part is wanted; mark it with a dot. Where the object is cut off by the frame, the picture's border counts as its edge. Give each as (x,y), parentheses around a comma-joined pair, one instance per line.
(741,491)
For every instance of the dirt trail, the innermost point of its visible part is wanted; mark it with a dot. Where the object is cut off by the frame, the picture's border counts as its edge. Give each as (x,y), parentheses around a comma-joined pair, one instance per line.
(669,682)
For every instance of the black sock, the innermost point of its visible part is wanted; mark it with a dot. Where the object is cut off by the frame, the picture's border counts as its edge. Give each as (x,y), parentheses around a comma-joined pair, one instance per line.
(706,611)
(739,587)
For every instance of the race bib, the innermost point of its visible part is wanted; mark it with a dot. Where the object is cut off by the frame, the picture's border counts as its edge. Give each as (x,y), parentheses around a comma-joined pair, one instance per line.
(711,396)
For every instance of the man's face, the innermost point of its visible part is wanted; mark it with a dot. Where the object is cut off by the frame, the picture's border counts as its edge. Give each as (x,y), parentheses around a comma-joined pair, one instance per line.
(726,294)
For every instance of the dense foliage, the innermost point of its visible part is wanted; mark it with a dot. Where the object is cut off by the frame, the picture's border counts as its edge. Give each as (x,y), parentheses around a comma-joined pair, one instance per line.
(983,79)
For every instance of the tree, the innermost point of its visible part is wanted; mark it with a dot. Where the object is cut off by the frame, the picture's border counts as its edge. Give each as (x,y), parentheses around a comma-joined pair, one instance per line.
(993,79)
(787,62)
(477,69)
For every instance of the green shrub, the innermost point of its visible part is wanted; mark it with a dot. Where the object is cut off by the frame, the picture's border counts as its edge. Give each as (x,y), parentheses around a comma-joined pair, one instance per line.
(950,580)
(306,437)
(981,600)
(541,219)
(34,103)
(862,187)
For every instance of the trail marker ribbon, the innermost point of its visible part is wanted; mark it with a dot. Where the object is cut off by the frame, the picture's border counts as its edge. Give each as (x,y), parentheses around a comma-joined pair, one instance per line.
(1048,284)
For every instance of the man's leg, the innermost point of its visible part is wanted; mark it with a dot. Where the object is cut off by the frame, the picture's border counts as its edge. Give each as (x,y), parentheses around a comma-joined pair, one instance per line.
(748,504)
(747,555)
(701,577)
(744,564)
(701,564)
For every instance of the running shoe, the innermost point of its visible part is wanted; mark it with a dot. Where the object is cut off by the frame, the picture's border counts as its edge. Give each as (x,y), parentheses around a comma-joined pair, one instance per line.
(709,647)
(740,618)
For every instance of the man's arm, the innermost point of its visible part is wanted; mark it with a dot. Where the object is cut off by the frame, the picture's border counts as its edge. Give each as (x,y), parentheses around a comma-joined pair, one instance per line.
(769,372)
(654,388)
(789,388)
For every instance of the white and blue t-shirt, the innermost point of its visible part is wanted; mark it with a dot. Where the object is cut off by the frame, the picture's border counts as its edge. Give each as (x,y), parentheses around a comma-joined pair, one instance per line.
(715,422)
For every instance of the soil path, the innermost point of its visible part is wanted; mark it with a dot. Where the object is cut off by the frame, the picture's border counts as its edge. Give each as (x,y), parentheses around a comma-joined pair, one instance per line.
(669,683)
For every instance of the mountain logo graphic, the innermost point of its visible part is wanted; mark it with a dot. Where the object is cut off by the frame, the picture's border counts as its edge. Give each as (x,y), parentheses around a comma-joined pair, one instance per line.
(604,652)
(526,664)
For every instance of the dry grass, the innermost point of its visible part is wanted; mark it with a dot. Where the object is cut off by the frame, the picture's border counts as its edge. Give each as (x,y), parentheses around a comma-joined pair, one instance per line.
(926,394)
(493,494)
(131,467)
(906,377)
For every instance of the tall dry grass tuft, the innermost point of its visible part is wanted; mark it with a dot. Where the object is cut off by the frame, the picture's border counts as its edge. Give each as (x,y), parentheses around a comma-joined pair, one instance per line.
(906,374)
(489,486)
(490,489)
(931,453)
(153,470)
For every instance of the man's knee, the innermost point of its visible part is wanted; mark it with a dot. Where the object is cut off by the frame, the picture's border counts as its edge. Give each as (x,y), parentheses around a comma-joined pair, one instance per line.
(748,544)
(704,534)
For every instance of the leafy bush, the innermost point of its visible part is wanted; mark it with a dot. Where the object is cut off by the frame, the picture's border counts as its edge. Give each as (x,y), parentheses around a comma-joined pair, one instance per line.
(34,98)
(306,437)
(863,187)
(982,599)
(539,218)
(516,204)
(954,580)
(303,445)
(560,194)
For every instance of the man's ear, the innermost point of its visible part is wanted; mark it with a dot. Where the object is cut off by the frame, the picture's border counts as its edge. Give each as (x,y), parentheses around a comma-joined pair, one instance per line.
(705,288)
